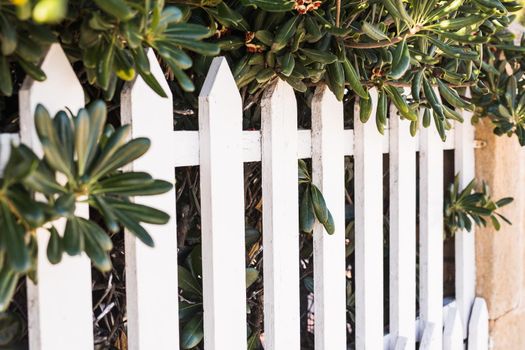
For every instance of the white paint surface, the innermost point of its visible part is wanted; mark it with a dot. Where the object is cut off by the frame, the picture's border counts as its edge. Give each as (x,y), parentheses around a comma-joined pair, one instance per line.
(368,168)
(478,329)
(402,232)
(151,323)
(59,306)
(186,144)
(329,250)
(465,247)
(453,332)
(280,218)
(431,233)
(222,210)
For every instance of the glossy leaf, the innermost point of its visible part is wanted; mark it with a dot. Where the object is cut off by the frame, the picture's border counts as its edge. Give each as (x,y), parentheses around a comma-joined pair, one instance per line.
(192,333)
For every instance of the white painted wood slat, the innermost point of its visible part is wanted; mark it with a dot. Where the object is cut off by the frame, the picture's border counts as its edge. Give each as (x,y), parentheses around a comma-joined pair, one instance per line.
(329,250)
(428,333)
(465,249)
(479,326)
(453,332)
(401,344)
(280,218)
(402,232)
(59,306)
(222,210)
(368,163)
(431,233)
(151,323)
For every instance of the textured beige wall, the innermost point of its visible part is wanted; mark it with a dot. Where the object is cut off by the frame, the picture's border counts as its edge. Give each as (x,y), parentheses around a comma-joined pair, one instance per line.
(500,255)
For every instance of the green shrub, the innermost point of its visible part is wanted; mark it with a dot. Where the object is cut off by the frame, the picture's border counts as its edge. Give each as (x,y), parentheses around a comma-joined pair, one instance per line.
(88,154)
(355,45)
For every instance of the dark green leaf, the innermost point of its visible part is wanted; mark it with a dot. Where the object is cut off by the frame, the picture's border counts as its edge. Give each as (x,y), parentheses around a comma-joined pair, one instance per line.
(54,246)
(306,212)
(187,282)
(192,333)
(14,240)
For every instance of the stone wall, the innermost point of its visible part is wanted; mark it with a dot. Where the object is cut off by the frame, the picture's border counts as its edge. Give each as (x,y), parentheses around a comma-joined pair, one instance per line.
(500,255)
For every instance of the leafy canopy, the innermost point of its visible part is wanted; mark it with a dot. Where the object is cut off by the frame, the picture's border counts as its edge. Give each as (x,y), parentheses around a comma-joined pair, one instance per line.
(421,55)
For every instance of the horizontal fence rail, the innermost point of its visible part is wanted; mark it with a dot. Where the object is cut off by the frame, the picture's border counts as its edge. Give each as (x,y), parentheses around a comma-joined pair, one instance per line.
(60,314)
(187,144)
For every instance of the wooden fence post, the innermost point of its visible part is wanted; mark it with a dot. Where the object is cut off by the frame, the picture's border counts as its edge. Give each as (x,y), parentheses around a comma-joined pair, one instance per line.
(453,331)
(151,273)
(59,306)
(479,326)
(280,218)
(368,160)
(329,250)
(465,247)
(431,236)
(402,231)
(222,210)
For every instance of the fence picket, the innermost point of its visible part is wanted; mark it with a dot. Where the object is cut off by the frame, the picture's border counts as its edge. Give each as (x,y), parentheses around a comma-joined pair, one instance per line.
(280,218)
(222,210)
(453,332)
(368,164)
(465,249)
(329,250)
(152,324)
(428,333)
(478,329)
(431,233)
(401,344)
(402,231)
(62,297)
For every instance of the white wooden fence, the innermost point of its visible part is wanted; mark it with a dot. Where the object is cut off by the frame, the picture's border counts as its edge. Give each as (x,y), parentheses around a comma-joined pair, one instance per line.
(60,306)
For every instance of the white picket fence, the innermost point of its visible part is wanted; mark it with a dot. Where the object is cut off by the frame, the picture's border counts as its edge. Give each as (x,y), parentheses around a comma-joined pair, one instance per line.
(60,306)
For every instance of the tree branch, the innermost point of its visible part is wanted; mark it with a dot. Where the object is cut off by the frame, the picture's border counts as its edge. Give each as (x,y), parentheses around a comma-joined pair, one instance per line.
(338,13)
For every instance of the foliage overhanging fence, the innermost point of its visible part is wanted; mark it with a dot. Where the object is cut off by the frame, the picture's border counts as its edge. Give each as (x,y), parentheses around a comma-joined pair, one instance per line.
(60,308)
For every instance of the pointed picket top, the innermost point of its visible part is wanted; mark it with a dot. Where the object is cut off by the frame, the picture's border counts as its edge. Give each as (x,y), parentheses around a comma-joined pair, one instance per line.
(429,332)
(219,82)
(278,92)
(61,89)
(453,332)
(138,86)
(325,98)
(478,329)
(401,343)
